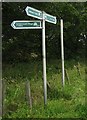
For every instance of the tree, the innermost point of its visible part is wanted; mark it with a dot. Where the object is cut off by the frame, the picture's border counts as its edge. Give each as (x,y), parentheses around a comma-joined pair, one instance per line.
(19,44)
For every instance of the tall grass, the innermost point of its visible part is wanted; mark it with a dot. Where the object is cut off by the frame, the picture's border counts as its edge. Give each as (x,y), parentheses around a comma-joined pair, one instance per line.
(67,102)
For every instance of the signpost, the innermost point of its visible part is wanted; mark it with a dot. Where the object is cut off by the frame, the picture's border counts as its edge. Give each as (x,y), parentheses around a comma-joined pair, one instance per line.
(26,24)
(44,60)
(44,17)
(37,25)
(62,52)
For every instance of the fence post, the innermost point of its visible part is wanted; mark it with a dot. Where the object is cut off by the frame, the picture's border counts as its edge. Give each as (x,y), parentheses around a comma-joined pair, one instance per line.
(28,93)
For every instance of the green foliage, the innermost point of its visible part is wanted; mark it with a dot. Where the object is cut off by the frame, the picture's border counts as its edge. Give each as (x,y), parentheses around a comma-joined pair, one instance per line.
(82,110)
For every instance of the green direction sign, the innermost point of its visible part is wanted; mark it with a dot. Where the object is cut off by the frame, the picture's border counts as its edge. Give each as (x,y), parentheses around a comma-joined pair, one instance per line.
(39,14)
(26,24)
(33,12)
(50,18)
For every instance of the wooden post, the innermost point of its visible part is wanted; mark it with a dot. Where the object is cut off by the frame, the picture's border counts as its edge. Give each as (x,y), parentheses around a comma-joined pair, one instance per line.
(48,85)
(78,69)
(28,93)
(67,76)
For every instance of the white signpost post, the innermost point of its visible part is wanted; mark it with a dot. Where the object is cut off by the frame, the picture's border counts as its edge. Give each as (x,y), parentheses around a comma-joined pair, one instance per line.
(62,52)
(37,25)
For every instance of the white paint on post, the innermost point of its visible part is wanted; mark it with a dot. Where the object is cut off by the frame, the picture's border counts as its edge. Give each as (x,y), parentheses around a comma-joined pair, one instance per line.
(62,52)
(44,60)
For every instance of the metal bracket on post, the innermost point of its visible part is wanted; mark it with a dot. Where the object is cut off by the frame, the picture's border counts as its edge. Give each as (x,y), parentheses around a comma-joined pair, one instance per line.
(62,53)
(44,60)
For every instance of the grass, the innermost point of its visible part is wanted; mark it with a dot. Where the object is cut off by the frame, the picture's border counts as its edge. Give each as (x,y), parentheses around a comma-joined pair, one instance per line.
(67,102)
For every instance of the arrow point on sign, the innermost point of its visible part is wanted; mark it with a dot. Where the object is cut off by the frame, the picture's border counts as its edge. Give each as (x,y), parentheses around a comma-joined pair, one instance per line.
(26,10)
(13,24)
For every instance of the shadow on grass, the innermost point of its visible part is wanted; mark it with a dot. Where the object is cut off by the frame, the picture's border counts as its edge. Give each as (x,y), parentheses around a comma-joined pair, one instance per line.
(55,94)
